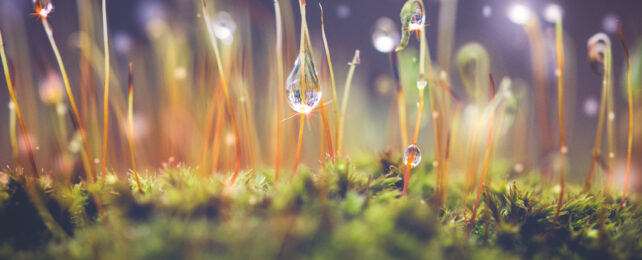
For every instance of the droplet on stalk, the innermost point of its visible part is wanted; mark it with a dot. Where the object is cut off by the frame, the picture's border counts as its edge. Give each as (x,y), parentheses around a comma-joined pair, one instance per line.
(303,89)
(421,82)
(412,156)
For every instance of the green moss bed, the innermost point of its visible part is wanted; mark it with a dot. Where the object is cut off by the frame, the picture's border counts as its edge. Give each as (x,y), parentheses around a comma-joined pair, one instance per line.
(343,210)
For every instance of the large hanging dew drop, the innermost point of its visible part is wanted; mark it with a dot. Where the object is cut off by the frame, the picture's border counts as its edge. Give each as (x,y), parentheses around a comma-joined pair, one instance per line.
(303,89)
(412,156)
(413,18)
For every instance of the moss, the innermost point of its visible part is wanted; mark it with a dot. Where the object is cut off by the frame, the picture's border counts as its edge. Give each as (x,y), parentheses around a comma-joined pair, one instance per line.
(345,210)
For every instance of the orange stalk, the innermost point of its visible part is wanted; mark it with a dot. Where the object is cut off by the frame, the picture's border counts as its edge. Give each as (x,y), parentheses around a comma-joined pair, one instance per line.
(630,101)
(406,177)
(486,157)
(106,100)
(298,147)
(217,134)
(326,127)
(559,44)
(223,80)
(25,137)
(279,87)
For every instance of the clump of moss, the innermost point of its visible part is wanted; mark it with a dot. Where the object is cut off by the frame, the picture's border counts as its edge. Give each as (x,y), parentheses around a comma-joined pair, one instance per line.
(345,210)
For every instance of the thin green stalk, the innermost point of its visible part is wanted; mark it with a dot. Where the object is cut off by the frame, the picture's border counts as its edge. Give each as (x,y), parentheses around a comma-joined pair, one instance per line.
(600,51)
(344,101)
(559,44)
(630,102)
(130,120)
(332,81)
(12,131)
(45,24)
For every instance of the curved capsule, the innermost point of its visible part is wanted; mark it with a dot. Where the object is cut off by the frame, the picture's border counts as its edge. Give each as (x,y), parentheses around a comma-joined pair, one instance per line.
(597,45)
(473,64)
(413,18)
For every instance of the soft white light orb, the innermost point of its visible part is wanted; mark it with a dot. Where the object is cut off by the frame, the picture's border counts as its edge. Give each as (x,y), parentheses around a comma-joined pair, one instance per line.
(552,13)
(609,23)
(487,11)
(591,105)
(519,14)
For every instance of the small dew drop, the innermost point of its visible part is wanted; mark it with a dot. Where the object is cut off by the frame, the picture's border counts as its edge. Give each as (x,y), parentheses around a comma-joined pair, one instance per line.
(412,156)
(563,150)
(418,16)
(611,116)
(421,83)
(435,115)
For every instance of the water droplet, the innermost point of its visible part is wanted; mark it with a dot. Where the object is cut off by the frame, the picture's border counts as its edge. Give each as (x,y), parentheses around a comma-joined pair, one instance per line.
(421,83)
(418,16)
(611,116)
(304,96)
(412,156)
(385,35)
